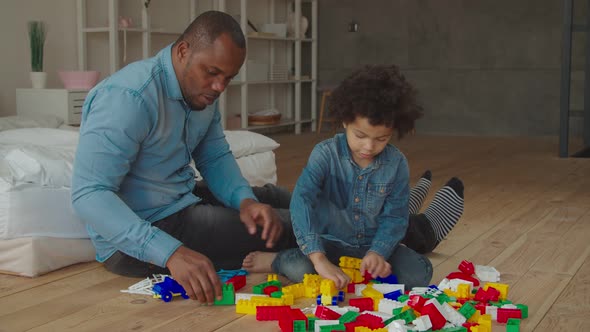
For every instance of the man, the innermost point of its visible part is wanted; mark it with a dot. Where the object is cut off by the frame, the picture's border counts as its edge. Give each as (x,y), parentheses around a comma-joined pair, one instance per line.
(132,183)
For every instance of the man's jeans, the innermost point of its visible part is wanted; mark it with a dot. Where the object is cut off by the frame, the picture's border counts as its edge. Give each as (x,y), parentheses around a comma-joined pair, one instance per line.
(214,231)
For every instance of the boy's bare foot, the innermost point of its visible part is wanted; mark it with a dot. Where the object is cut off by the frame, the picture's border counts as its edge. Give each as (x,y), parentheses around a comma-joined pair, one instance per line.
(259,261)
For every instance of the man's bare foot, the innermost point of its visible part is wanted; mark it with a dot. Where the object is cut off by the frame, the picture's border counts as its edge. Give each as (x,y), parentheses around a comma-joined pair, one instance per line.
(259,261)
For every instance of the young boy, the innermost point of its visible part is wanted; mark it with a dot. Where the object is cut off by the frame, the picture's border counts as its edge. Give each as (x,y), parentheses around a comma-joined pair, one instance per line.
(352,197)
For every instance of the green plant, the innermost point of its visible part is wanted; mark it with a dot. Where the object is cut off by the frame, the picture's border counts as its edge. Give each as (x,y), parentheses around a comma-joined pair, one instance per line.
(37,41)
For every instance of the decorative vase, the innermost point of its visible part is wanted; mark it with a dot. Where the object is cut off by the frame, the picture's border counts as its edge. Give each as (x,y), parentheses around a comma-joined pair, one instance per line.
(38,79)
(303,25)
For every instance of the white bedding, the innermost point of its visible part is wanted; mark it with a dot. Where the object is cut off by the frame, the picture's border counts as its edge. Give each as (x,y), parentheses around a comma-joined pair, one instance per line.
(39,231)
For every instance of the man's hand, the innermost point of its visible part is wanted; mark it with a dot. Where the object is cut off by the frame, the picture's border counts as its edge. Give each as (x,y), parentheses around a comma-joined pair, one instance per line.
(327,270)
(195,272)
(253,213)
(376,265)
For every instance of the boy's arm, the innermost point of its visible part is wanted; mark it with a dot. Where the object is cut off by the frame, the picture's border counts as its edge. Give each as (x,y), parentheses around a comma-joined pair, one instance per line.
(393,220)
(305,199)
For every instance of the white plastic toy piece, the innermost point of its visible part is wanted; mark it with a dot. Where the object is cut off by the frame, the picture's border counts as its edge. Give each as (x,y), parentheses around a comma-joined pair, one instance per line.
(145,286)
(487,273)
(387,305)
(388,288)
(422,323)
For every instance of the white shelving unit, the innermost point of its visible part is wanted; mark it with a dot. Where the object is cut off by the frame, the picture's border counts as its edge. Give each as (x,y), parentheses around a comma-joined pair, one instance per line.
(287,49)
(244,93)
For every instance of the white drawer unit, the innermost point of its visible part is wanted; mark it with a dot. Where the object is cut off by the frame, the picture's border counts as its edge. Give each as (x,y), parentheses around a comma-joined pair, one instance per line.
(66,104)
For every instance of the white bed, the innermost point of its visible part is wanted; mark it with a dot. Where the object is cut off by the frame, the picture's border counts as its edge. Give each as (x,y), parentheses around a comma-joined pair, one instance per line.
(39,232)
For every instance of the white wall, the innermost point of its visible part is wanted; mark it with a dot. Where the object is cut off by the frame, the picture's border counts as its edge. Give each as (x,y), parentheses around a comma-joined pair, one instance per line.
(60,45)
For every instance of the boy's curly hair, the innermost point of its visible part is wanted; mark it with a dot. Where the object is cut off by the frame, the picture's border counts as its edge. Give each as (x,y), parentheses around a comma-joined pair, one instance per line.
(379,93)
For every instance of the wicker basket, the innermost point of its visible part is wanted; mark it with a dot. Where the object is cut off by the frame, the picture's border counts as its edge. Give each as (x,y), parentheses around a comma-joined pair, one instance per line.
(262,120)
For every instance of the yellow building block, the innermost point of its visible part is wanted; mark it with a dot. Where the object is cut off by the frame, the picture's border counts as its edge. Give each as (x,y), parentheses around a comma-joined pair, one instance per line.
(502,288)
(475,317)
(480,328)
(485,320)
(350,262)
(272,277)
(289,299)
(355,275)
(463,291)
(297,290)
(328,287)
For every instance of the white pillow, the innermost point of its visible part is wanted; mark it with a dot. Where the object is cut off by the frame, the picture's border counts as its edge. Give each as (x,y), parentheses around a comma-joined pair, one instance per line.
(244,143)
(38,121)
(40,136)
(42,165)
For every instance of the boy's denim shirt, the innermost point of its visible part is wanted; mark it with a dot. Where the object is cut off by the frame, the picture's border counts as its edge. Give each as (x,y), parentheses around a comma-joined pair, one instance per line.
(335,200)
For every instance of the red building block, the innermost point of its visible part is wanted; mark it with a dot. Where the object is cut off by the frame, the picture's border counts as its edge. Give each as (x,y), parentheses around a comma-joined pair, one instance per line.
(363,303)
(322,312)
(463,276)
(436,318)
(467,267)
(370,321)
(264,313)
(481,307)
(286,322)
(416,302)
(504,314)
(270,289)
(238,281)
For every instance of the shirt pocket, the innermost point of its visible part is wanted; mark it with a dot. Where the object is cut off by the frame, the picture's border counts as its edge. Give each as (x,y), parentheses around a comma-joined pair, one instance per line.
(377,192)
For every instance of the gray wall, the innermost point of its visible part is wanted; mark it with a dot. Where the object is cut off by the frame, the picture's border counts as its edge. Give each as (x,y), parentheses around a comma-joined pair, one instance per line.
(489,67)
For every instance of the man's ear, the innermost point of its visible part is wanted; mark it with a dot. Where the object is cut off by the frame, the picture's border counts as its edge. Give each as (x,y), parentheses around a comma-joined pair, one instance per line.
(183,51)
(343,125)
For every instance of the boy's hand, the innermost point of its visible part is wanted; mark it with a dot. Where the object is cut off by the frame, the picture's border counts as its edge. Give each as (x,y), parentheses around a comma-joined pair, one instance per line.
(328,270)
(376,265)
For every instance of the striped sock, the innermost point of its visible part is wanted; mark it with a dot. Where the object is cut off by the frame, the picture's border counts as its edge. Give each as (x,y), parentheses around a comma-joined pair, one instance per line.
(418,193)
(446,208)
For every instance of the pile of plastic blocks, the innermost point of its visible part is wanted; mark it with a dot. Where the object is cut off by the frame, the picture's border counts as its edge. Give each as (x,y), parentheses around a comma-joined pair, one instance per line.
(467,300)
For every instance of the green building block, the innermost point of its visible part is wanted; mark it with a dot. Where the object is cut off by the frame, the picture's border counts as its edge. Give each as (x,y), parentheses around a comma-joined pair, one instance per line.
(513,325)
(408,316)
(277,294)
(467,310)
(348,317)
(299,326)
(403,298)
(397,311)
(454,329)
(524,310)
(330,328)
(259,289)
(442,298)
(229,295)
(311,323)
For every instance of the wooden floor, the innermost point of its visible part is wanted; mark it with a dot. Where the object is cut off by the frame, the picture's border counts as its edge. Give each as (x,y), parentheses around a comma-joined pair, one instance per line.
(527,213)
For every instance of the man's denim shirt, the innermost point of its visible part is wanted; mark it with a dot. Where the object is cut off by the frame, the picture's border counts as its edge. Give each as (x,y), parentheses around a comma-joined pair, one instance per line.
(137,139)
(335,200)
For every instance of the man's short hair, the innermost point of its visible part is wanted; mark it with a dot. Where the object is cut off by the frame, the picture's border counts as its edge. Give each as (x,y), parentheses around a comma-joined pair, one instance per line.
(208,26)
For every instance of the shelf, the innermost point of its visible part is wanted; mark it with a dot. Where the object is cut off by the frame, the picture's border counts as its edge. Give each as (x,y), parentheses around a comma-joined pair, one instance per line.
(154,31)
(282,123)
(234,83)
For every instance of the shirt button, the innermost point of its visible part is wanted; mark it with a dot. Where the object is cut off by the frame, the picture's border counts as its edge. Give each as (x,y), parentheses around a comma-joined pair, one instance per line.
(356,217)
(360,236)
(360,177)
(357,200)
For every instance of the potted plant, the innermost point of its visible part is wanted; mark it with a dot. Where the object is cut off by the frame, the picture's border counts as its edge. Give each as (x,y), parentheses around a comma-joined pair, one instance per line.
(37,42)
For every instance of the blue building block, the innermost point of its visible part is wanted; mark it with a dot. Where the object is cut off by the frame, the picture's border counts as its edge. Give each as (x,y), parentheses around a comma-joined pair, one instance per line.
(168,288)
